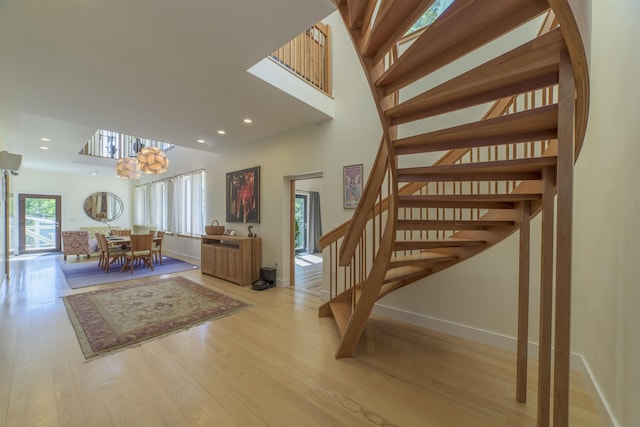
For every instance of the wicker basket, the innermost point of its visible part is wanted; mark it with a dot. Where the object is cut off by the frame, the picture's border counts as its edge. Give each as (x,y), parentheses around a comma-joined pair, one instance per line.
(214,228)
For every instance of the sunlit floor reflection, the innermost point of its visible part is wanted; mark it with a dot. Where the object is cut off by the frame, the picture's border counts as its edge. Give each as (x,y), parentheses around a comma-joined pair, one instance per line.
(305,259)
(308,274)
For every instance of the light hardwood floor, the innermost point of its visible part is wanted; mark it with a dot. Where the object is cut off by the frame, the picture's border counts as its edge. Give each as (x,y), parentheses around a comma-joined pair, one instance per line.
(308,273)
(269,365)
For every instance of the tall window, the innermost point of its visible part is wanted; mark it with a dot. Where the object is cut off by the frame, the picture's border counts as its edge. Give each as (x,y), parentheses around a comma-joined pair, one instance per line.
(175,204)
(430,15)
(141,205)
(159,199)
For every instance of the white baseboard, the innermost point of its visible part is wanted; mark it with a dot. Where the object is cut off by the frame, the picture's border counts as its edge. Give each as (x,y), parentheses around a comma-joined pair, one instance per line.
(494,339)
(191,259)
(603,407)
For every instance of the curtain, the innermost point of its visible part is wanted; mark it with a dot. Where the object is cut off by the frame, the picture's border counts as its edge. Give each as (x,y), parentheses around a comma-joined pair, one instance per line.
(157,205)
(175,204)
(315,223)
(197,203)
(178,205)
(141,205)
(187,204)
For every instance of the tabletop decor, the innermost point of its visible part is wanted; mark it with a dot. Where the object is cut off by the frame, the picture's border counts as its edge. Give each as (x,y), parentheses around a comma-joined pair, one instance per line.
(117,318)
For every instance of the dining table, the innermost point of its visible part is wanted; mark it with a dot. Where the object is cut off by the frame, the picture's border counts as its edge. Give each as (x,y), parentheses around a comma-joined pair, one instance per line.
(124,241)
(120,240)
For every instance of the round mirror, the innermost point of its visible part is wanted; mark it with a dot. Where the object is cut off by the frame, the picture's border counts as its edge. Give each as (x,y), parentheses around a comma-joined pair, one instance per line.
(103,206)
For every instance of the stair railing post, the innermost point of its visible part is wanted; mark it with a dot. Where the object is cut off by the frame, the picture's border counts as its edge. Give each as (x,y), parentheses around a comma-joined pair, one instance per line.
(524,220)
(546,297)
(566,150)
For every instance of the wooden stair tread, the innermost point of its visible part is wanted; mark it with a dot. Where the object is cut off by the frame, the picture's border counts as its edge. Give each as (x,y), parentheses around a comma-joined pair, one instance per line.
(393,20)
(531,66)
(531,125)
(389,287)
(342,313)
(405,245)
(519,169)
(418,224)
(462,28)
(407,271)
(424,257)
(481,201)
(357,11)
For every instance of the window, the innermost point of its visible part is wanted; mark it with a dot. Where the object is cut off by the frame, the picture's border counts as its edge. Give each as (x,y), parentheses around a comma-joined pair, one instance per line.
(430,15)
(175,204)
(141,205)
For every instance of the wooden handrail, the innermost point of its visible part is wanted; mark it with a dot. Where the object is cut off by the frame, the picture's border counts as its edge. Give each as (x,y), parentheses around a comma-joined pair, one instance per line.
(367,203)
(574,17)
(308,56)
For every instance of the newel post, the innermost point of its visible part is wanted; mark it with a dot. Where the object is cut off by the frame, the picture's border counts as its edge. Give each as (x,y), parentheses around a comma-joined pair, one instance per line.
(566,150)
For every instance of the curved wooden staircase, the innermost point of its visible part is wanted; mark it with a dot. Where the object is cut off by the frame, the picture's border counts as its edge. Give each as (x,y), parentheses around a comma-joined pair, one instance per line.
(416,218)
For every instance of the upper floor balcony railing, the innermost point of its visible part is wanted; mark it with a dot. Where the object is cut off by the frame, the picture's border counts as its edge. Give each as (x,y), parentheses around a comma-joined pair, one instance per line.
(115,145)
(309,57)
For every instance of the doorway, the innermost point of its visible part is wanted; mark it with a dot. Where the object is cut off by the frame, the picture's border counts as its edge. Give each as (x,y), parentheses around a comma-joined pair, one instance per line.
(306,229)
(38,223)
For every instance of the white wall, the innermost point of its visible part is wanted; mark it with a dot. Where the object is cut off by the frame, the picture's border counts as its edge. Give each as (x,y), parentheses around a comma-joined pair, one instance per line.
(3,229)
(74,189)
(307,185)
(606,281)
(351,137)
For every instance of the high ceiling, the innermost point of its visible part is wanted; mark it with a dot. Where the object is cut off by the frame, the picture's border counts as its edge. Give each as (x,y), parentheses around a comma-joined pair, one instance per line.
(169,70)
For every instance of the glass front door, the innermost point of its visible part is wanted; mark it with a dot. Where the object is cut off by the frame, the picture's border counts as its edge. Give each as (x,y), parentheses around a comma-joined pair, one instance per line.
(301,223)
(39,223)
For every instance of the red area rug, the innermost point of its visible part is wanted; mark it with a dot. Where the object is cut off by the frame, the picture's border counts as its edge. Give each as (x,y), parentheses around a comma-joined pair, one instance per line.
(113,319)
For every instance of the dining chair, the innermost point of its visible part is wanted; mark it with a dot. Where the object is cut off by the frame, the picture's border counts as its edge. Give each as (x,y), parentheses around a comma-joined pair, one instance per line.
(124,232)
(157,247)
(110,253)
(101,250)
(140,249)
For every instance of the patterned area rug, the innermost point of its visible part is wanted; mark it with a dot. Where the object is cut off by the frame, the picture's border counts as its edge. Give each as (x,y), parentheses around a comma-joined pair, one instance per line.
(113,319)
(83,274)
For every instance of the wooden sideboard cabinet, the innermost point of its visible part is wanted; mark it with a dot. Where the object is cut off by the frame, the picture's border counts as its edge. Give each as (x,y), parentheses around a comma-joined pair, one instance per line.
(233,258)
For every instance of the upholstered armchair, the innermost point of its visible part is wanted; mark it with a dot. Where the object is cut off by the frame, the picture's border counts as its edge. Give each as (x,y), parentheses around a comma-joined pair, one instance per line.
(76,243)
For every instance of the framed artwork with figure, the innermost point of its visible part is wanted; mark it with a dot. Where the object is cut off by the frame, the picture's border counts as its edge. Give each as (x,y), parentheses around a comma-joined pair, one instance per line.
(243,195)
(352,186)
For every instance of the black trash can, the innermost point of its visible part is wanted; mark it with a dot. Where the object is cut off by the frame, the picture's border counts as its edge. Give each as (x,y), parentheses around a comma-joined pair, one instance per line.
(268,274)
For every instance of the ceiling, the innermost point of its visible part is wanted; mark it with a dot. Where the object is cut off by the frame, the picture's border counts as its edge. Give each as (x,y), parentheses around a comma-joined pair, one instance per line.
(173,71)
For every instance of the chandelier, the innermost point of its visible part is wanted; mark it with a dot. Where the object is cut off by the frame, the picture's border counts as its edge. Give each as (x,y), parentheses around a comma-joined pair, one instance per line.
(150,160)
(127,168)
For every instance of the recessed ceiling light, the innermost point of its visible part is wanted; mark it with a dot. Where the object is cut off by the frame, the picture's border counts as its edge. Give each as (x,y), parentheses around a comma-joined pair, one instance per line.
(45,139)
(201,141)
(94,173)
(248,121)
(44,148)
(222,132)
